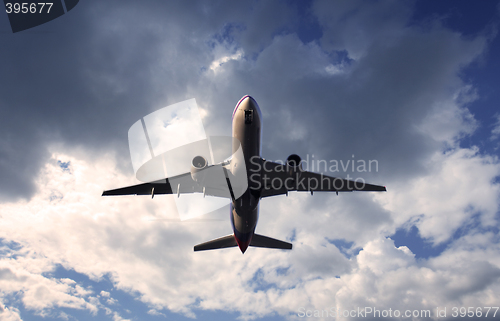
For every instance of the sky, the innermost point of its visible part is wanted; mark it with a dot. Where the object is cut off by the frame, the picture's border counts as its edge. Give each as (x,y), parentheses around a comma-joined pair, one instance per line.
(412,85)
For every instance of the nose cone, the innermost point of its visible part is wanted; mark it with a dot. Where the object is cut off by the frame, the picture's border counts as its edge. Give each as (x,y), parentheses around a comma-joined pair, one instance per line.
(247,103)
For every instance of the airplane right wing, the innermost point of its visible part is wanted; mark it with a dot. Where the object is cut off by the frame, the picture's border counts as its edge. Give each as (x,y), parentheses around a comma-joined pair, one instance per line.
(278,180)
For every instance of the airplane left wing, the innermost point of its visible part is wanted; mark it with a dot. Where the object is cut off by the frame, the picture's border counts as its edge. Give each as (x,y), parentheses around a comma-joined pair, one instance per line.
(180,184)
(278,180)
(157,187)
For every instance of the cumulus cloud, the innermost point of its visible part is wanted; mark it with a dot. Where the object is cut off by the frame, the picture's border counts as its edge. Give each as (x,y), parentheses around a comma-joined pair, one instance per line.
(157,262)
(9,313)
(24,274)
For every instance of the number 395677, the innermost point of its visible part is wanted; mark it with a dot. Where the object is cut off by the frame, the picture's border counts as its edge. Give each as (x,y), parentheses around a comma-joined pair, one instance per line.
(28,7)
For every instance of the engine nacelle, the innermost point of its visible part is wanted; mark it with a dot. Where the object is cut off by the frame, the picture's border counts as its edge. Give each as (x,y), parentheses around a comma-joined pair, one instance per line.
(294,166)
(198,165)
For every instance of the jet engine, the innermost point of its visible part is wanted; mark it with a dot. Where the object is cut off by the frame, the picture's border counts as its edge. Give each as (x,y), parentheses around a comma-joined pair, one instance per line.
(294,166)
(198,165)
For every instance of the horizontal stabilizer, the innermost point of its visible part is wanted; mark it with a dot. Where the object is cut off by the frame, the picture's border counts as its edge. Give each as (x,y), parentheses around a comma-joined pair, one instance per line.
(220,243)
(264,241)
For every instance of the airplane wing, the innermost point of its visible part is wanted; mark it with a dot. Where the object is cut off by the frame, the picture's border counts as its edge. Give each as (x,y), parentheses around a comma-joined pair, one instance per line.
(180,184)
(278,181)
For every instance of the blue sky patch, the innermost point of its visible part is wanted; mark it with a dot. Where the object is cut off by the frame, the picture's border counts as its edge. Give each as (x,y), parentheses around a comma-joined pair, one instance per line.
(422,248)
(345,247)
(64,165)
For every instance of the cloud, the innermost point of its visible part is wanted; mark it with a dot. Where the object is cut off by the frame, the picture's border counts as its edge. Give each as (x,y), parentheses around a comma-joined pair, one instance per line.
(155,260)
(24,274)
(220,61)
(154,312)
(374,85)
(9,313)
(495,132)
(355,26)
(467,196)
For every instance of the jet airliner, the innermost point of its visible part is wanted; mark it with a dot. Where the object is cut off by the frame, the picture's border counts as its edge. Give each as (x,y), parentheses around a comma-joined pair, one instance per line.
(263,178)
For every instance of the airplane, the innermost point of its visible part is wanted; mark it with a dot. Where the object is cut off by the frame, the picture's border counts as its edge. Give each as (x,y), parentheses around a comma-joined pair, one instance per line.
(262,178)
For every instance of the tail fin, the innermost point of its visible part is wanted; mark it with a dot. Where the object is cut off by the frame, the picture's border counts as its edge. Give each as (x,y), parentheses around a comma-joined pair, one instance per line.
(220,243)
(264,241)
(230,241)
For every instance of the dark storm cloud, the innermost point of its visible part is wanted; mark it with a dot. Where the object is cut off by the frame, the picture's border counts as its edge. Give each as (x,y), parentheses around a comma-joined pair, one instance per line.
(398,76)
(84,78)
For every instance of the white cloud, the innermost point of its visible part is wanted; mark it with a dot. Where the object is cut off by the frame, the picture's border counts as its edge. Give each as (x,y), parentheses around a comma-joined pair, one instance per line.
(450,120)
(107,236)
(155,312)
(117,317)
(217,63)
(449,196)
(336,69)
(9,313)
(380,256)
(105,294)
(42,294)
(495,132)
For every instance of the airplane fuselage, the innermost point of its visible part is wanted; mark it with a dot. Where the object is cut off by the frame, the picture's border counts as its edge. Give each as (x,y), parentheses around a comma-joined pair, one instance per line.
(247,126)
